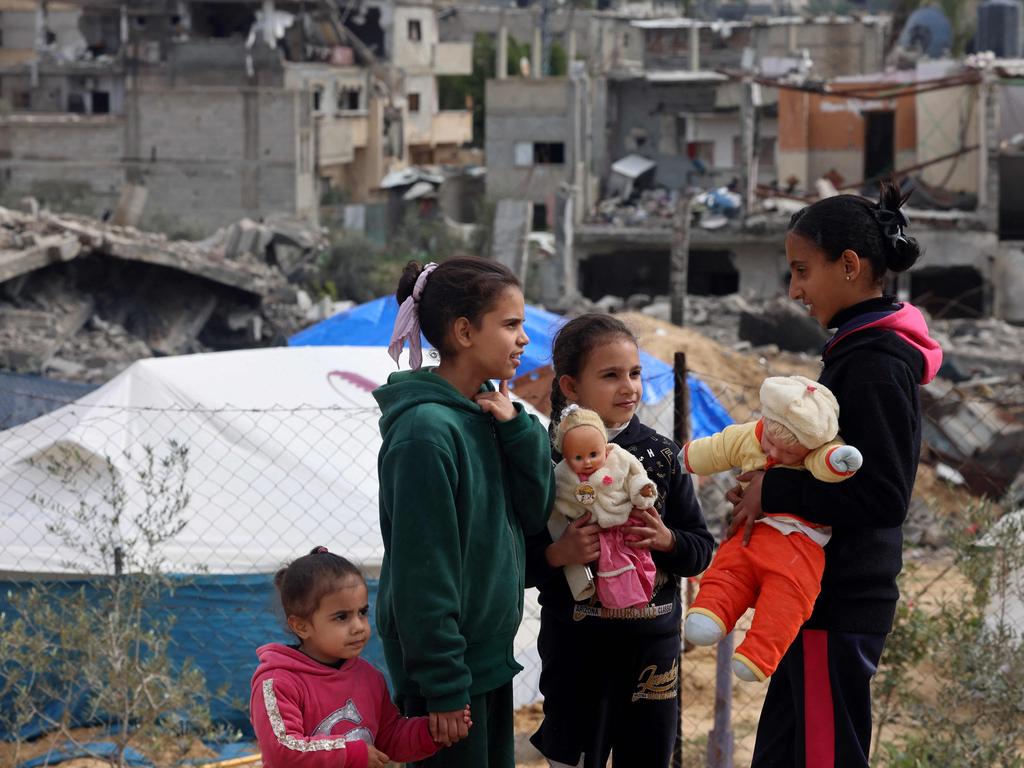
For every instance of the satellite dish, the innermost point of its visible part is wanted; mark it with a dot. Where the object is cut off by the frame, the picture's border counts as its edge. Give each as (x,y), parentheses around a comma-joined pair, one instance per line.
(928,31)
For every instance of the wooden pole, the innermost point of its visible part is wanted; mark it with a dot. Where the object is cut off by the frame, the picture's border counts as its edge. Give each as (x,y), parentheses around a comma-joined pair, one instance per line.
(680,258)
(748,172)
(235,762)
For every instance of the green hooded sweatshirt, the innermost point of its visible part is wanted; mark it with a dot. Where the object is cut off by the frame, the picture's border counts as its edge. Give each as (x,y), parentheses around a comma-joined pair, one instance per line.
(457,490)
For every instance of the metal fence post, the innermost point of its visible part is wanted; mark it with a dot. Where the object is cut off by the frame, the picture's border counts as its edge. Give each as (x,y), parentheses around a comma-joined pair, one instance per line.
(720,740)
(681,432)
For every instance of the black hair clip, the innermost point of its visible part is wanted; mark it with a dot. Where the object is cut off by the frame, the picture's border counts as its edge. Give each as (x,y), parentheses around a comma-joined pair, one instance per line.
(892,223)
(319,551)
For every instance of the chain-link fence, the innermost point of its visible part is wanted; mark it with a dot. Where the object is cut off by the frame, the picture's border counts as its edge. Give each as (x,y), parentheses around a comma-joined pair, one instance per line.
(218,499)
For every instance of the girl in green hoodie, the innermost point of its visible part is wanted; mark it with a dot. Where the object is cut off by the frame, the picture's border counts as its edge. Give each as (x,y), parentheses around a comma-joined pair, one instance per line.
(463,472)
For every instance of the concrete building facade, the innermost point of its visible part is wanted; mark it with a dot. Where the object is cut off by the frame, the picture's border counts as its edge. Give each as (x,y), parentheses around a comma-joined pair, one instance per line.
(530,127)
(215,114)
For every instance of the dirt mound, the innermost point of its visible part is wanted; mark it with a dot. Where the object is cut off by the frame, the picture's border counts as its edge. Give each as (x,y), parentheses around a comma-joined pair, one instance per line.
(734,377)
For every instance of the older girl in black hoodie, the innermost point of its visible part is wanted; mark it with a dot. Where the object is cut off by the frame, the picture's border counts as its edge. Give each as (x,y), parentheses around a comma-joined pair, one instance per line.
(818,708)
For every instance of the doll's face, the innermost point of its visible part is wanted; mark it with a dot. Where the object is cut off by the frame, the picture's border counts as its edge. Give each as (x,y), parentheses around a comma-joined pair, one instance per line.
(585,449)
(787,455)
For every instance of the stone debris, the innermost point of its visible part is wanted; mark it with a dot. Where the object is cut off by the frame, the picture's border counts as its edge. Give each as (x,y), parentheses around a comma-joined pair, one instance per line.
(81,299)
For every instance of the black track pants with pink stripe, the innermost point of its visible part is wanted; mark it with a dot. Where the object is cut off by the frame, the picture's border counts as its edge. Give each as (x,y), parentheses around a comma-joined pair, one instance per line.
(817,713)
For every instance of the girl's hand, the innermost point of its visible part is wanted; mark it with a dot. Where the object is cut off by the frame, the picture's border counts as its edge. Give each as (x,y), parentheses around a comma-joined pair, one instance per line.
(653,534)
(497,403)
(447,728)
(747,509)
(579,545)
(377,759)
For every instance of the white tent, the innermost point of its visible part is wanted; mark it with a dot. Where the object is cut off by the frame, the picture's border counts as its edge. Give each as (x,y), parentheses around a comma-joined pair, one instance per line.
(281,452)
(282,449)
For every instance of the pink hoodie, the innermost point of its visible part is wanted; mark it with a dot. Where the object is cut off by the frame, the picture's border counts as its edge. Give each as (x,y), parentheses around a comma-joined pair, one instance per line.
(909,324)
(309,715)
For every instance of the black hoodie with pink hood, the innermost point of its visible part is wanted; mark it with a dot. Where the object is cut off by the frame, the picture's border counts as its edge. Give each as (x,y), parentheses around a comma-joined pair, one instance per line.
(880,354)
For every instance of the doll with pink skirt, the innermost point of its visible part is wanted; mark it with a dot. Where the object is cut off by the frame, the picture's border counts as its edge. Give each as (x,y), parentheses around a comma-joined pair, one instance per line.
(601,478)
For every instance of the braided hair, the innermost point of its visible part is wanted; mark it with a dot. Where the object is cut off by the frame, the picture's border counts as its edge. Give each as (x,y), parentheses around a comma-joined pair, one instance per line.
(874,230)
(571,349)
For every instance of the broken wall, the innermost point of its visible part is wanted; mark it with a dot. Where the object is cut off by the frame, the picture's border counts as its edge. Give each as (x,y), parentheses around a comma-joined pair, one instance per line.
(70,162)
(58,90)
(520,22)
(207,155)
(646,120)
(18,21)
(210,156)
(835,49)
(523,112)
(617,45)
(818,134)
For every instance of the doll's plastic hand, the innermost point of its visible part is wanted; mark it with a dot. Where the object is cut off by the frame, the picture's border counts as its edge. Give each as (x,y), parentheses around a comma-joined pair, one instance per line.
(653,534)
(845,459)
(377,759)
(747,510)
(579,545)
(497,403)
(447,728)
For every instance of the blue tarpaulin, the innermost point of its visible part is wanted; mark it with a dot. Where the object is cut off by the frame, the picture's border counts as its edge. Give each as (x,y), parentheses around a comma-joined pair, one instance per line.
(370,325)
(94,749)
(207,611)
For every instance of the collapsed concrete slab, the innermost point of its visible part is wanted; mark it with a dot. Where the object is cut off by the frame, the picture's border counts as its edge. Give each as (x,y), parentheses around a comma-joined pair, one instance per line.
(52,249)
(130,294)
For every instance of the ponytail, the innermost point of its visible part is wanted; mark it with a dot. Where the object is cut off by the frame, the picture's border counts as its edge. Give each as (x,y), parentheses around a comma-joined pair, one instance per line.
(876,231)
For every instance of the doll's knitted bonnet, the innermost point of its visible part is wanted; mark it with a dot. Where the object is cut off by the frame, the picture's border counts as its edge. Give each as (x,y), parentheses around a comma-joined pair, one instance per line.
(808,409)
(573,416)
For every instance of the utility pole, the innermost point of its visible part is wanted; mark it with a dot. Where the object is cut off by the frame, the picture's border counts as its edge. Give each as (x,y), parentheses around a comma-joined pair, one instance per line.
(750,99)
(545,39)
(680,257)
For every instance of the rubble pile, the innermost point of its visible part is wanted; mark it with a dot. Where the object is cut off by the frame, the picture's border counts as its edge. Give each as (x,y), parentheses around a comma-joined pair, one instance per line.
(652,208)
(710,209)
(81,299)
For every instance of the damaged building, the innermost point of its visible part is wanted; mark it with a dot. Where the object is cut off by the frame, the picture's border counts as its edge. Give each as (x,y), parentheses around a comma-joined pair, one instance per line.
(204,113)
(81,299)
(749,121)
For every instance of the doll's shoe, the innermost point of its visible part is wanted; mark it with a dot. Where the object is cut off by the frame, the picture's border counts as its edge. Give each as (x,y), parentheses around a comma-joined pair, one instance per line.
(702,629)
(745,671)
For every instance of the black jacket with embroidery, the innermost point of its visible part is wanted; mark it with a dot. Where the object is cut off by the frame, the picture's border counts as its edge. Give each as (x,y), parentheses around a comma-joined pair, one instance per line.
(678,506)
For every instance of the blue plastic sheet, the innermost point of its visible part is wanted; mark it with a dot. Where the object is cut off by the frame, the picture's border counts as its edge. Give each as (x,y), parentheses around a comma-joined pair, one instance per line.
(220,621)
(370,325)
(95,749)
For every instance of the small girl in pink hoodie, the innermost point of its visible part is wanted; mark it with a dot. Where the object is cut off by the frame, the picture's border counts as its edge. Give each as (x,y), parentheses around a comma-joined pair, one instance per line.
(317,704)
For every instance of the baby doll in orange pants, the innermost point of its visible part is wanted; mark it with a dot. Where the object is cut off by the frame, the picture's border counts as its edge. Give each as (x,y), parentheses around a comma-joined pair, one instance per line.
(779,571)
